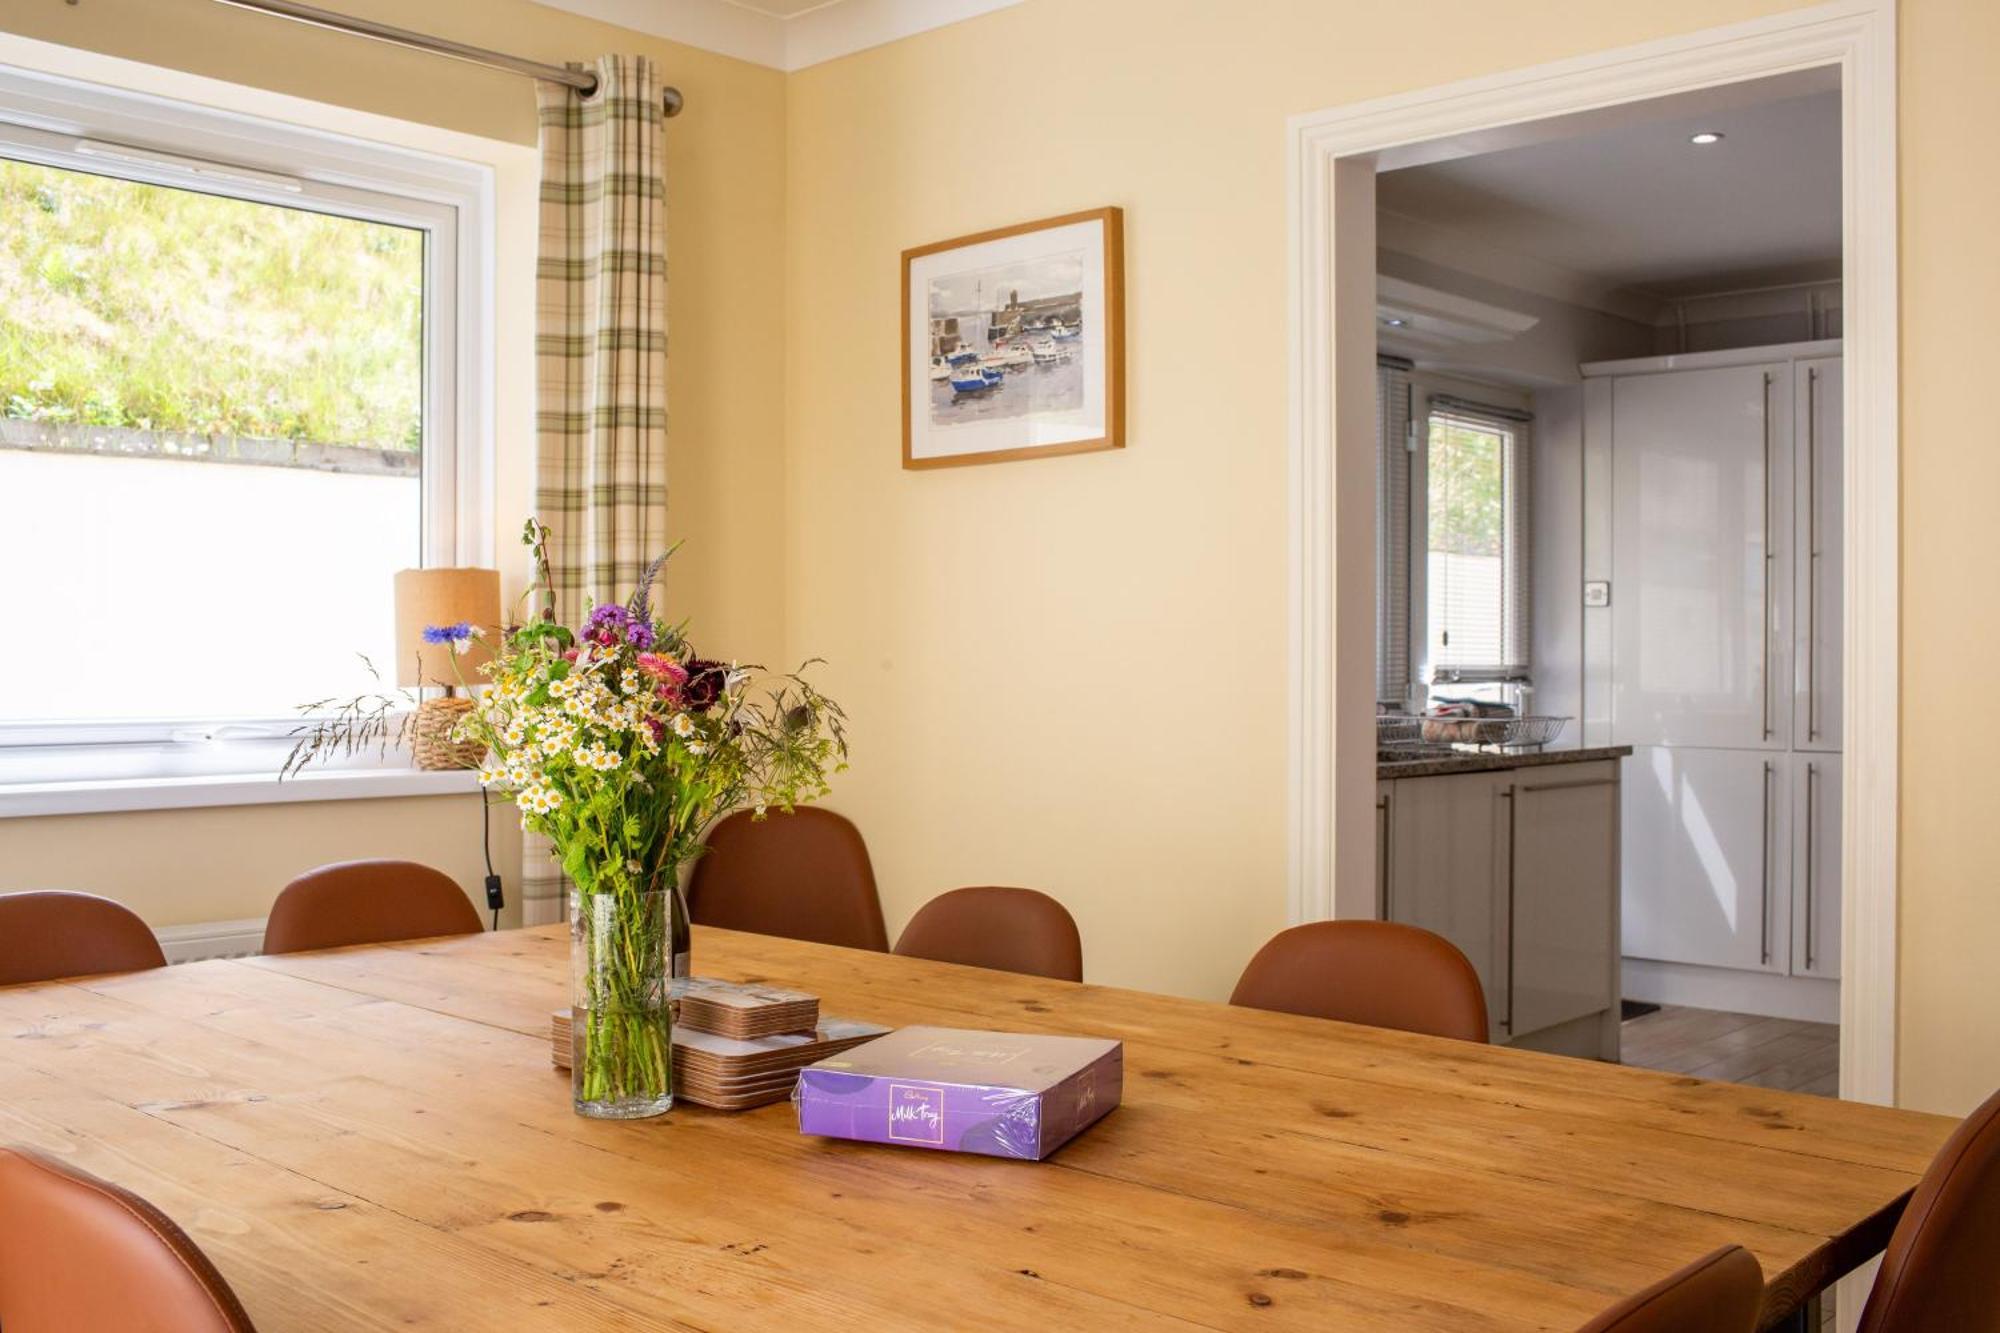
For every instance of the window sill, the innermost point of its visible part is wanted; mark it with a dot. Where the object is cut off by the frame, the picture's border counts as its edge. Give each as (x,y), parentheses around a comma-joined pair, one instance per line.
(26,799)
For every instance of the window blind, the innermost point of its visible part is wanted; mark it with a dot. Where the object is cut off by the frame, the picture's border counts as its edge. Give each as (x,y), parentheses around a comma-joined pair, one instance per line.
(1478,570)
(1392,533)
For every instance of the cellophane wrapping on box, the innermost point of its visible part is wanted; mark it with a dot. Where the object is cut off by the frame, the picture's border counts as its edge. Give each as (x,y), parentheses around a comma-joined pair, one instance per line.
(1004,1094)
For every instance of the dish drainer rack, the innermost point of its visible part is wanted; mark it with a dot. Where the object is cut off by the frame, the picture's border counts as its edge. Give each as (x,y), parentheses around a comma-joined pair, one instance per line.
(1416,734)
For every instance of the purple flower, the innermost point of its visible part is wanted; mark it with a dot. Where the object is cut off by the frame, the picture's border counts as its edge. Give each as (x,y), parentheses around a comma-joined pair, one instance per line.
(607,624)
(640,635)
(452,634)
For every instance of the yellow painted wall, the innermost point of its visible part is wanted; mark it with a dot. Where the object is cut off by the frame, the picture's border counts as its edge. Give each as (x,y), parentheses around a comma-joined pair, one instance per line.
(725,161)
(1950,908)
(1069,673)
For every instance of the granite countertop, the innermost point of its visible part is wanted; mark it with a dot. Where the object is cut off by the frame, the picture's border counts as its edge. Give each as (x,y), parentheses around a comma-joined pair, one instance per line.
(1468,761)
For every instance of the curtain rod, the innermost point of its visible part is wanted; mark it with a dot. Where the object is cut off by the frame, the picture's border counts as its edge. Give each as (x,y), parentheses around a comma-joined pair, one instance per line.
(582,80)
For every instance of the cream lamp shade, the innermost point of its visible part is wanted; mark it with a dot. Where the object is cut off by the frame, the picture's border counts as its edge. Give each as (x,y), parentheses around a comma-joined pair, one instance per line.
(447,602)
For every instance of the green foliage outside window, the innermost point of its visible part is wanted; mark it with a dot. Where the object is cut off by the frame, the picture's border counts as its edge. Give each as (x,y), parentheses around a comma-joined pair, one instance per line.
(125,304)
(1467,489)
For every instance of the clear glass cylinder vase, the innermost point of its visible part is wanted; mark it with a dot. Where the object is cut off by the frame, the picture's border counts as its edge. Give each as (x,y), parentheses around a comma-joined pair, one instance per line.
(621,1023)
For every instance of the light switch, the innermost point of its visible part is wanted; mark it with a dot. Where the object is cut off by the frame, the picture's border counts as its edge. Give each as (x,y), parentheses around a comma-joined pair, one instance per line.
(1597,592)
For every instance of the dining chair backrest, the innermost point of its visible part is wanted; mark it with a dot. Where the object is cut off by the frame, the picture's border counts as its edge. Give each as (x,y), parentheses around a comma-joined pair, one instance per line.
(1380,973)
(1009,930)
(367,902)
(81,1255)
(1718,1293)
(803,875)
(1942,1267)
(47,934)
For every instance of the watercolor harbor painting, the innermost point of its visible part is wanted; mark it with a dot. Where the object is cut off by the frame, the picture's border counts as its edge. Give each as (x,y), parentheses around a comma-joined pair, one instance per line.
(1013,345)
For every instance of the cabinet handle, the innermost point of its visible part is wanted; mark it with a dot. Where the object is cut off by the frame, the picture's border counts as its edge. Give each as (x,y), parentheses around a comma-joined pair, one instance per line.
(1812,567)
(1764,912)
(1385,818)
(1764,619)
(1567,786)
(1812,891)
(1507,1021)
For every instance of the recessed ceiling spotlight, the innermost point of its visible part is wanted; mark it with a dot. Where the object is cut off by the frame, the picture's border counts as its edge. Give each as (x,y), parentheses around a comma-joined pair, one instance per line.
(1705,137)
(1393,322)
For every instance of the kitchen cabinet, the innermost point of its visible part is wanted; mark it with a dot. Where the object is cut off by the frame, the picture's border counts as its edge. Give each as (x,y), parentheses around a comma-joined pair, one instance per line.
(1562,895)
(1720,525)
(1705,850)
(1816,865)
(1518,868)
(1443,866)
(1701,489)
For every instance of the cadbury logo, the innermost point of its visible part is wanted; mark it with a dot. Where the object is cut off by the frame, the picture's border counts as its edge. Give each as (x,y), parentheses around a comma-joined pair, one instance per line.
(916,1114)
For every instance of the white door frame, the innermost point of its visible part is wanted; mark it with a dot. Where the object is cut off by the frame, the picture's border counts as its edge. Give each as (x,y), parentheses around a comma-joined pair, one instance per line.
(1331,776)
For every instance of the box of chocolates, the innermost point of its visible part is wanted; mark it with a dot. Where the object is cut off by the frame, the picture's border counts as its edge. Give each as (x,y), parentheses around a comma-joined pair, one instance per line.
(1004,1094)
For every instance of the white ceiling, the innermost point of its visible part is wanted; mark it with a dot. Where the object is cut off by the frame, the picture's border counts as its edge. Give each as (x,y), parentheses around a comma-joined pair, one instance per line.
(783,34)
(1639,207)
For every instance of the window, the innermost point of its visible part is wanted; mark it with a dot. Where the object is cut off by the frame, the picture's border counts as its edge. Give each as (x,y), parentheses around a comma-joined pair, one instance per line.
(1476,548)
(231,400)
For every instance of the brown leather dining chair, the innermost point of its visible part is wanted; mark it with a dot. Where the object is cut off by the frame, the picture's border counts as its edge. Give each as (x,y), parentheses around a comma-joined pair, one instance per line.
(1379,973)
(367,902)
(1942,1267)
(81,1255)
(46,934)
(1009,930)
(1717,1293)
(803,875)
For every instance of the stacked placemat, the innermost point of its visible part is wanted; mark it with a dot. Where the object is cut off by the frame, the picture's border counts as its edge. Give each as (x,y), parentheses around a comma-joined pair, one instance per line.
(739,1045)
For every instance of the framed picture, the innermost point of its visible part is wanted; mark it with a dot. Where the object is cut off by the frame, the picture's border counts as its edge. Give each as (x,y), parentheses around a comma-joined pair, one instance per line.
(1014,342)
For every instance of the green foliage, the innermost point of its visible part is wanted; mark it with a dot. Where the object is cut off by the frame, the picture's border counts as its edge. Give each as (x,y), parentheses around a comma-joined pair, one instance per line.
(1467,489)
(123,304)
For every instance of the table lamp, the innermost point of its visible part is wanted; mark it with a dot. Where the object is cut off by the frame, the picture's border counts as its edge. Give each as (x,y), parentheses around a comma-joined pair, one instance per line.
(442,616)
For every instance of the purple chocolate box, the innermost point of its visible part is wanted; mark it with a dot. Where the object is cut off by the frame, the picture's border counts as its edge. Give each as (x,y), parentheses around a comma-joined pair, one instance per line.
(1005,1094)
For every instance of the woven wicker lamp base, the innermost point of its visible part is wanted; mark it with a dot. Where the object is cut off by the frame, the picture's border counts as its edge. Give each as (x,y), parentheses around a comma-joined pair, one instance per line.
(430,735)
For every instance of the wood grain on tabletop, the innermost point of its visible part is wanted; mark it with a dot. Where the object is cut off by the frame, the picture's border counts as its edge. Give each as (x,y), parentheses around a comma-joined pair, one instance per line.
(372,1138)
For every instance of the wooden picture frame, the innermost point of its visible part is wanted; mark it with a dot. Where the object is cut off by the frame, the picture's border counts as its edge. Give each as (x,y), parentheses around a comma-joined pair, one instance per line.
(1014,342)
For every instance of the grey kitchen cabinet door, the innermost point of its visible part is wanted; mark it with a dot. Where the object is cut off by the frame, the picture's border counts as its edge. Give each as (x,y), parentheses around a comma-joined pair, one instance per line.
(1444,842)
(1561,891)
(1707,857)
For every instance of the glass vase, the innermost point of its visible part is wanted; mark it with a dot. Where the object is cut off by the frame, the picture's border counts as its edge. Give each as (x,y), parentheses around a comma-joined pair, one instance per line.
(621,1025)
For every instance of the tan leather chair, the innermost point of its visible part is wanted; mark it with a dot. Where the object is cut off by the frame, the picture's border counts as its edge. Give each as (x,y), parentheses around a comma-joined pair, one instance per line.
(80,1255)
(1719,1293)
(1942,1268)
(367,902)
(1375,972)
(804,876)
(1009,930)
(47,934)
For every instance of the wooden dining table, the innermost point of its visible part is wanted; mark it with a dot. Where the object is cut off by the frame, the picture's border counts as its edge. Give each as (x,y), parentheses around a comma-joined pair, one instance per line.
(374,1138)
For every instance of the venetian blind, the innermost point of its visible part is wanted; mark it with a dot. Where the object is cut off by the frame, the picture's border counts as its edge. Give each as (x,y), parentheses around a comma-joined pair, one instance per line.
(1392,533)
(1478,556)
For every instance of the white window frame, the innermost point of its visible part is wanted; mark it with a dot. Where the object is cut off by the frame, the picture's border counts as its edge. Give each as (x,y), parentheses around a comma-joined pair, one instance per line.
(67,123)
(1434,403)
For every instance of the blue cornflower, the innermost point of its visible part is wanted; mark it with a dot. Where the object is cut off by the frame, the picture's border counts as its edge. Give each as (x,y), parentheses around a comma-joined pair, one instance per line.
(453,634)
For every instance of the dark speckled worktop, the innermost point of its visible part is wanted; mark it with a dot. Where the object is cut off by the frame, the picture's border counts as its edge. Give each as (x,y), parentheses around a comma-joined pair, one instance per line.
(1466,761)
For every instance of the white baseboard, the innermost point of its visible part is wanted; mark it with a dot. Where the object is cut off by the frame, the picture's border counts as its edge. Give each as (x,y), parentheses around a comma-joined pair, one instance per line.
(1805,999)
(212,939)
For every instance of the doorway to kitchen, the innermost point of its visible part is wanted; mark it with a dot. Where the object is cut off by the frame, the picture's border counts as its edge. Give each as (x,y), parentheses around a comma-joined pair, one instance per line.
(1338,157)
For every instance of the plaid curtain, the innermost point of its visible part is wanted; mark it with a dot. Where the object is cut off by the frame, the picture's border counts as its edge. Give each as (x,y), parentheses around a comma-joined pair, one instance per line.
(601,360)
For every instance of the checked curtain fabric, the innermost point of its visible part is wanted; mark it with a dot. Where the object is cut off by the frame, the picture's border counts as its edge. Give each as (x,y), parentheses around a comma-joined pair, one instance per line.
(601,360)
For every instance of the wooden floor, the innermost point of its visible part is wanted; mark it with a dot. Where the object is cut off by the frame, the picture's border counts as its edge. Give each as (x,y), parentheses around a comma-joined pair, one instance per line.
(1737,1048)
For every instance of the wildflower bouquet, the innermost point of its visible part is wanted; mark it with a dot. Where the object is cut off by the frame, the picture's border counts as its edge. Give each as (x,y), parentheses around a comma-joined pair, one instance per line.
(621,745)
